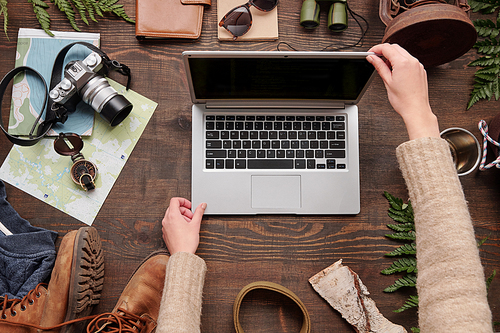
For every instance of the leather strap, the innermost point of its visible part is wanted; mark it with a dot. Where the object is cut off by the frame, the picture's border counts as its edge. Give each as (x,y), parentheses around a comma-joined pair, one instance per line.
(306,324)
(42,130)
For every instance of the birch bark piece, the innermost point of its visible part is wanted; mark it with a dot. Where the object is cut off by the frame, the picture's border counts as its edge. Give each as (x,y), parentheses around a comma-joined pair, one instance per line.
(345,292)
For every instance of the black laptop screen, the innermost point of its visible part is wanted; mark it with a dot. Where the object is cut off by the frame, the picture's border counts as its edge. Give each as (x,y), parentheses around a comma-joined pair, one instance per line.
(279,78)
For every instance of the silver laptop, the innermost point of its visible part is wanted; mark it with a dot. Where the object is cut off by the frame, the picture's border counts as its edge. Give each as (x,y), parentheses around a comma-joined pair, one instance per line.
(276,132)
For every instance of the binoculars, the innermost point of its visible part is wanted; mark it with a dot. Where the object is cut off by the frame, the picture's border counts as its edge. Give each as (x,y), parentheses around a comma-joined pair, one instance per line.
(337,15)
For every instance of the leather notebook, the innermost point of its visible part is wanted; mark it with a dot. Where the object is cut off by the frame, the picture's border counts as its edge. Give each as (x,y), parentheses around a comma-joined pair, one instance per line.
(164,19)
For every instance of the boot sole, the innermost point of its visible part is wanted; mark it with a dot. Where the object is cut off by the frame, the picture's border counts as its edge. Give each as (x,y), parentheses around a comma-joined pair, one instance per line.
(87,277)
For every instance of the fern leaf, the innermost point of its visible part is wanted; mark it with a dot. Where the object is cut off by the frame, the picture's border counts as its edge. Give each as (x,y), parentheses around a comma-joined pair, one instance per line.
(484,6)
(409,280)
(82,10)
(405,235)
(395,203)
(486,61)
(405,249)
(402,227)
(65,7)
(401,218)
(415,330)
(41,15)
(486,28)
(4,12)
(490,278)
(411,302)
(408,265)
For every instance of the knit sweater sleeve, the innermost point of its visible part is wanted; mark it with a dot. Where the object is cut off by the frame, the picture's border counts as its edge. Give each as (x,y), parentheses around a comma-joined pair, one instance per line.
(180,308)
(451,284)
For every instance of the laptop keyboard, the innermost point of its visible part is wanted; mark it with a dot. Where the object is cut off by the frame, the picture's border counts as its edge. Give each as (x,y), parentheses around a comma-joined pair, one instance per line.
(275,142)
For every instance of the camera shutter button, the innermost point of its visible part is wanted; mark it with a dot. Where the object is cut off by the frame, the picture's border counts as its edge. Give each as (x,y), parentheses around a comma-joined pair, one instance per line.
(53,94)
(65,84)
(91,60)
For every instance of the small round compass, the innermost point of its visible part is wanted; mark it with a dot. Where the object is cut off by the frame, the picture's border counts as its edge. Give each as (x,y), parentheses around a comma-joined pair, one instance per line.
(83,172)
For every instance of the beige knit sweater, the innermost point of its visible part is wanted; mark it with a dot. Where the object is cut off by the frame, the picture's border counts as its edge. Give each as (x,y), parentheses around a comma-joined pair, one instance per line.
(180,308)
(451,284)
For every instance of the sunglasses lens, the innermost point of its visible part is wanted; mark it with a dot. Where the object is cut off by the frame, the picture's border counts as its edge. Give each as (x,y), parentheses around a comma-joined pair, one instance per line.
(237,21)
(265,5)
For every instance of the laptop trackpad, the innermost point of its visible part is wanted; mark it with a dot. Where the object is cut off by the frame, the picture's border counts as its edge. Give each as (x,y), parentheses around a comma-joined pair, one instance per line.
(276,192)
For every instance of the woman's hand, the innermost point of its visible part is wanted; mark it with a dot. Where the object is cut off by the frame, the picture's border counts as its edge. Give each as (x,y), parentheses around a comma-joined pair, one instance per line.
(406,82)
(181,227)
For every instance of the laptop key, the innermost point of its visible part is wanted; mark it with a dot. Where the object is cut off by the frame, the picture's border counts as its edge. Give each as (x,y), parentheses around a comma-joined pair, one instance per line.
(214,144)
(335,153)
(241,164)
(212,135)
(311,164)
(337,144)
(209,164)
(270,164)
(219,164)
(300,164)
(216,154)
(229,164)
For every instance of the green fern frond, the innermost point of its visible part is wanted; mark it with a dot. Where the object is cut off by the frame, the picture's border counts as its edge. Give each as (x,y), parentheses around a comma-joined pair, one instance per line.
(484,89)
(415,330)
(4,13)
(411,302)
(113,7)
(405,235)
(484,6)
(409,280)
(489,70)
(408,265)
(65,7)
(41,15)
(82,10)
(486,28)
(486,61)
(405,249)
(395,203)
(490,278)
(402,227)
(401,218)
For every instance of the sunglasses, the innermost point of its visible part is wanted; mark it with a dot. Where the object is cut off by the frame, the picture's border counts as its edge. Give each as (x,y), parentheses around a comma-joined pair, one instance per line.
(239,19)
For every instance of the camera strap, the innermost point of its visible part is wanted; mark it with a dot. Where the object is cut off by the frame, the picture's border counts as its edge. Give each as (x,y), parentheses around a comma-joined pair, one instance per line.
(42,130)
(54,112)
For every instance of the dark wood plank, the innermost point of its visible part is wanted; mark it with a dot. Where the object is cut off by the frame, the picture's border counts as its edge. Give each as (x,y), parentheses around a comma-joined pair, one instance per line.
(243,249)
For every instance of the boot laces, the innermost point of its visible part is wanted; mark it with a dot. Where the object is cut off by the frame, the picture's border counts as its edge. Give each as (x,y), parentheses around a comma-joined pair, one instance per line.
(121,321)
(7,305)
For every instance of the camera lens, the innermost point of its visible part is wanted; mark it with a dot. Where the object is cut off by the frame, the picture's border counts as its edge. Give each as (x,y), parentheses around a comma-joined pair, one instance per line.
(103,98)
(116,109)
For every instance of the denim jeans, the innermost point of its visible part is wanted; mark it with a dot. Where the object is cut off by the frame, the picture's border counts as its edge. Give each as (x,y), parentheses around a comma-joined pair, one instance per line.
(26,257)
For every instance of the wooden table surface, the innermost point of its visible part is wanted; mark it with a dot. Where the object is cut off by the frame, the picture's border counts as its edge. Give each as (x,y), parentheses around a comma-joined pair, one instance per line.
(241,249)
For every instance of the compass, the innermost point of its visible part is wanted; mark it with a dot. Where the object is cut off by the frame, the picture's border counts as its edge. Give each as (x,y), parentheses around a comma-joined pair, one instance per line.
(83,172)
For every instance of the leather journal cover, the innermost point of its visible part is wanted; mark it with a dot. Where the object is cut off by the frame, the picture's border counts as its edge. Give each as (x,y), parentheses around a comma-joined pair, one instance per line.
(264,25)
(163,19)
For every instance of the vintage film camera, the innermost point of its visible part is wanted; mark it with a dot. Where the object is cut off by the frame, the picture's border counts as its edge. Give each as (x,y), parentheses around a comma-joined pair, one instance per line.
(84,80)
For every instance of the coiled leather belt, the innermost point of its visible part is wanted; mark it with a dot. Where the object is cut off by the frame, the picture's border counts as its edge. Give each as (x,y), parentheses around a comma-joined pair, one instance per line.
(306,323)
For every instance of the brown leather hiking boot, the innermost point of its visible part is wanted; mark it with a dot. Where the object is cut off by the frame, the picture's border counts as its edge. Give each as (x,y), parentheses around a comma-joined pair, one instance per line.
(138,307)
(74,288)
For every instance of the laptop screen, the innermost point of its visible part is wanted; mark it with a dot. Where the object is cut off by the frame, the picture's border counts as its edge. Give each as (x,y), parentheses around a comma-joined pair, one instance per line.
(279,75)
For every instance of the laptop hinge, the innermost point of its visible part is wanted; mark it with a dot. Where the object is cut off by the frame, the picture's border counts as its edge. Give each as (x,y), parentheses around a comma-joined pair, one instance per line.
(274,104)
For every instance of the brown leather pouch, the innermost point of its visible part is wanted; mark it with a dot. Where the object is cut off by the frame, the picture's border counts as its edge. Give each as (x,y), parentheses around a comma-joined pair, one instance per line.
(163,19)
